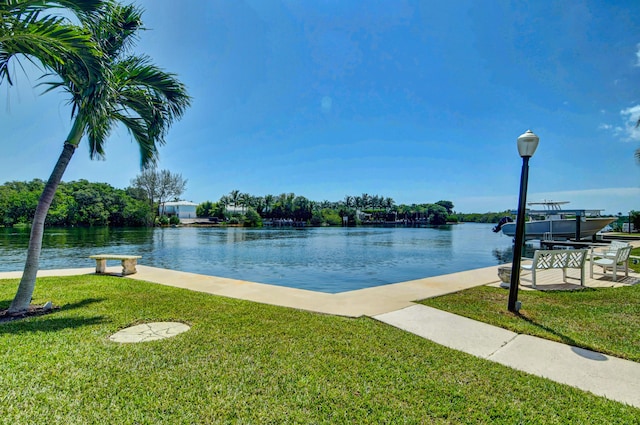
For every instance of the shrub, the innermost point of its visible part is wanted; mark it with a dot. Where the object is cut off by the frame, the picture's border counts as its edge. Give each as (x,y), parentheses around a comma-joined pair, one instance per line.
(252,218)
(331,217)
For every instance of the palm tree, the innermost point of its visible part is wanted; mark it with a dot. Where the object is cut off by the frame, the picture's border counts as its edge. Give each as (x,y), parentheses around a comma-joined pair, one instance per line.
(245,201)
(224,202)
(124,89)
(268,203)
(234,197)
(366,201)
(348,201)
(357,202)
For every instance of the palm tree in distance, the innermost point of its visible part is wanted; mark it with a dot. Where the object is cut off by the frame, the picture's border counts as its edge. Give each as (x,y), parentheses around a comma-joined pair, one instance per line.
(268,203)
(124,89)
(234,196)
(348,201)
(245,201)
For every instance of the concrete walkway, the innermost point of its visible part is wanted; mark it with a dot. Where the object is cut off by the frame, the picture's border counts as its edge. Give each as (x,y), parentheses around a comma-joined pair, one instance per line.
(607,376)
(394,304)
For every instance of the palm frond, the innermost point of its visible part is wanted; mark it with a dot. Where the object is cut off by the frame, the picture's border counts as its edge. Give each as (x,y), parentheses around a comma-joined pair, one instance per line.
(165,85)
(115,30)
(76,6)
(51,40)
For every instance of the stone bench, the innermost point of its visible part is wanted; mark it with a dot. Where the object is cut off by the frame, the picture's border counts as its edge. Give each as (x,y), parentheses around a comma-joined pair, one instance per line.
(128,262)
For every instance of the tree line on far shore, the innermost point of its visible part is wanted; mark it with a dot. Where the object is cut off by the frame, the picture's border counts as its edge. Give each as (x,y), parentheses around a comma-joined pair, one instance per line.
(76,203)
(84,203)
(250,210)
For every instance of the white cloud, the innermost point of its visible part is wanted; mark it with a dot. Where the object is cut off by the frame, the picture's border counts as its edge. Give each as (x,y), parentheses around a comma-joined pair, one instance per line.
(630,116)
(638,54)
(605,127)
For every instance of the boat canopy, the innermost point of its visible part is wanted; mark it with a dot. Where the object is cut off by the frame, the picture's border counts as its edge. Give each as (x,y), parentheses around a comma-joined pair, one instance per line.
(553,208)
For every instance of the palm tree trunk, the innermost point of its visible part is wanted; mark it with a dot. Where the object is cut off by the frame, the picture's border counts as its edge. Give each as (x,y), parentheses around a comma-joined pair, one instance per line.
(22,299)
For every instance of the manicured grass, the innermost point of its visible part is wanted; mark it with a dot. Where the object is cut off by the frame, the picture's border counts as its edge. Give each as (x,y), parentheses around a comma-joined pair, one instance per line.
(603,319)
(250,363)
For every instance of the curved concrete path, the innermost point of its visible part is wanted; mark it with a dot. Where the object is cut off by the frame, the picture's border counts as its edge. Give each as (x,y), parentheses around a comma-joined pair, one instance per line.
(607,376)
(394,304)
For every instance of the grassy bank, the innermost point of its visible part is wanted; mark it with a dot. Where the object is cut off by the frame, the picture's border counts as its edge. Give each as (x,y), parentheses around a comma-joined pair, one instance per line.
(244,362)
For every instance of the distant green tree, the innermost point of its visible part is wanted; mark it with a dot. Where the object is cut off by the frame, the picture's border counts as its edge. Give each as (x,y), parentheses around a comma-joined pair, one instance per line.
(437,214)
(331,217)
(21,207)
(252,218)
(268,203)
(301,209)
(205,209)
(234,197)
(635,219)
(137,213)
(448,205)
(137,193)
(317,219)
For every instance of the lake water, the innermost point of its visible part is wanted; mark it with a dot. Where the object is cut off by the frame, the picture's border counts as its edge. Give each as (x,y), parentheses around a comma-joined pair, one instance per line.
(320,259)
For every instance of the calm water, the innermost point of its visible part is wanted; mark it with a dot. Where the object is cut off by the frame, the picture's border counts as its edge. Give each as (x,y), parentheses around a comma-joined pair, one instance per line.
(320,259)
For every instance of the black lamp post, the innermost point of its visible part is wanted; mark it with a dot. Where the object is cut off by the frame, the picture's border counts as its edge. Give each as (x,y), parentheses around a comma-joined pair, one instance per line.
(527,144)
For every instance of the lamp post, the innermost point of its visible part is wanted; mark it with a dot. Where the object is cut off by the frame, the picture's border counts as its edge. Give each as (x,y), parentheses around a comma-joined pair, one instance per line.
(527,144)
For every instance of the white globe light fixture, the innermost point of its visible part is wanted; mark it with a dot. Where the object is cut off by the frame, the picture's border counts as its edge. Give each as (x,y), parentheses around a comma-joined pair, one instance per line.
(527,143)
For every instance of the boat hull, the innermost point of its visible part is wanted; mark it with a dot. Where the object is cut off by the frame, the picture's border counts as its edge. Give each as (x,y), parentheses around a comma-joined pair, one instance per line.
(559,229)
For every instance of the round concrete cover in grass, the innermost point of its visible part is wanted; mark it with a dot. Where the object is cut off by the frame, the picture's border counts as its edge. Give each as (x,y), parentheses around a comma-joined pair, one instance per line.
(149,332)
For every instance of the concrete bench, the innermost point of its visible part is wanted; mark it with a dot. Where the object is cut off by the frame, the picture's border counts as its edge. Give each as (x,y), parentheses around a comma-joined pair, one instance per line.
(128,262)
(564,259)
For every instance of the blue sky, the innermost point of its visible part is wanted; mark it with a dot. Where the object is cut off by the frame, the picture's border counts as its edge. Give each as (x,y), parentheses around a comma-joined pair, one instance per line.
(419,101)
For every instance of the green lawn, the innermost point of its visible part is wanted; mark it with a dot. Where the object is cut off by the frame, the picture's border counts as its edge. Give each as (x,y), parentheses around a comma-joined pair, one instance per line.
(603,319)
(250,363)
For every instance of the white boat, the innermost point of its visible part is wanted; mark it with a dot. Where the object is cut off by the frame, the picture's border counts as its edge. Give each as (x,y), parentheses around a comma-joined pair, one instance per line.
(554,223)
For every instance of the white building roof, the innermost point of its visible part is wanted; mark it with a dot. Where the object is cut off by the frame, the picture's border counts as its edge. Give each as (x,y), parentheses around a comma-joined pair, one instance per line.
(180,203)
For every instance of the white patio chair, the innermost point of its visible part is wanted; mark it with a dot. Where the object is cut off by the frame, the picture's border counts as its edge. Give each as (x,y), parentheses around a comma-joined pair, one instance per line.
(612,261)
(611,250)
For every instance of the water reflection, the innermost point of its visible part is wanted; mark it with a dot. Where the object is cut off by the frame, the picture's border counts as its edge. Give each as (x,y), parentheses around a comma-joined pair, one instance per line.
(325,259)
(505,255)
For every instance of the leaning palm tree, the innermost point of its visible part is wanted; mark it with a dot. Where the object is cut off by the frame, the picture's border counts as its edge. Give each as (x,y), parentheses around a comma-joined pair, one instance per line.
(125,89)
